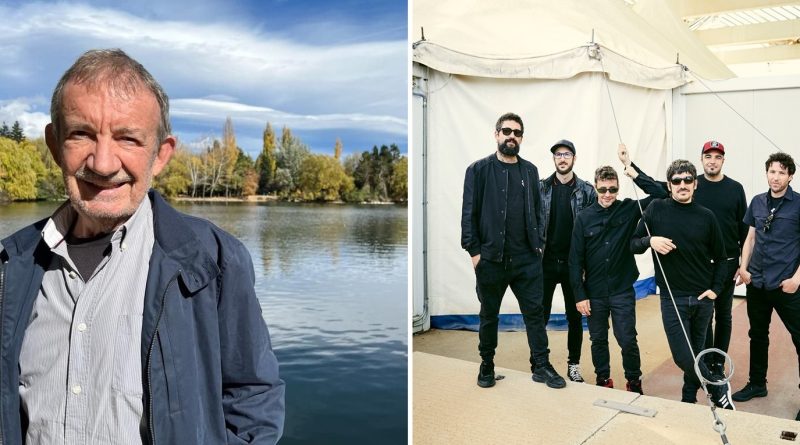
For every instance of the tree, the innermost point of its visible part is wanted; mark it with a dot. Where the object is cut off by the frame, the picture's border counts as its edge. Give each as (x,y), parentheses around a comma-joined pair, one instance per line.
(337,149)
(398,182)
(322,178)
(266,163)
(175,179)
(230,153)
(290,158)
(5,132)
(20,166)
(16,132)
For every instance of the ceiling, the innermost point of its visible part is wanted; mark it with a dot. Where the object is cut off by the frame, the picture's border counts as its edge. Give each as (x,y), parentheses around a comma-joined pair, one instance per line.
(752,37)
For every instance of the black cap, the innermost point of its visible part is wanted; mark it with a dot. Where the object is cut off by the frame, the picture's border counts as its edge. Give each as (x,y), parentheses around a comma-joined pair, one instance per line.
(563,143)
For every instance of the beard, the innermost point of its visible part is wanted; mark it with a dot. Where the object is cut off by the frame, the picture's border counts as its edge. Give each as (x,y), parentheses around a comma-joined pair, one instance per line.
(506,150)
(564,169)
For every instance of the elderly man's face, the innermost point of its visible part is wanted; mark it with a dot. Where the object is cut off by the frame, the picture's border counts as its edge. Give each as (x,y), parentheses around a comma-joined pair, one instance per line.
(109,153)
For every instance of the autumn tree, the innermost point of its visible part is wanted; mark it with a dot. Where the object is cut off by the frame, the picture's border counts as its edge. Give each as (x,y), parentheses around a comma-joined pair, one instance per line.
(20,166)
(266,162)
(174,179)
(398,181)
(289,158)
(322,178)
(337,149)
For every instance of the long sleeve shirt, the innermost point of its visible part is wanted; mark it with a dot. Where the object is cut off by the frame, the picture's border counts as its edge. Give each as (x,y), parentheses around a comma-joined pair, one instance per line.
(600,260)
(698,261)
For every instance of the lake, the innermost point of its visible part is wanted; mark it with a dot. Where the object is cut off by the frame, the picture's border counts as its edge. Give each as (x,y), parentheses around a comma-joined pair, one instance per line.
(332,283)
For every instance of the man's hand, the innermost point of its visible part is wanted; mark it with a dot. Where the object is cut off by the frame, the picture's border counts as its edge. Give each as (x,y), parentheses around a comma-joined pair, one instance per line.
(631,172)
(584,307)
(662,245)
(475,260)
(709,293)
(736,276)
(624,156)
(744,277)
(789,285)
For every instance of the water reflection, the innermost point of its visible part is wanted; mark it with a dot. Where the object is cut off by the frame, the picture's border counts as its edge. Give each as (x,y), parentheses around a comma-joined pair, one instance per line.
(332,284)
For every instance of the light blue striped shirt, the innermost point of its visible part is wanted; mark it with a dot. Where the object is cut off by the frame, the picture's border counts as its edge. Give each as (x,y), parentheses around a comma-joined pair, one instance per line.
(80,365)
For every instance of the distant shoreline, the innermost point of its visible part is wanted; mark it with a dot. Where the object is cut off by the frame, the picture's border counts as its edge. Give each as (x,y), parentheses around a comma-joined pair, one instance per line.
(267,198)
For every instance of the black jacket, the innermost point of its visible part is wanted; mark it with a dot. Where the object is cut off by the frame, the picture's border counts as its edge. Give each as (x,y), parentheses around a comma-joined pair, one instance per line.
(483,212)
(583,196)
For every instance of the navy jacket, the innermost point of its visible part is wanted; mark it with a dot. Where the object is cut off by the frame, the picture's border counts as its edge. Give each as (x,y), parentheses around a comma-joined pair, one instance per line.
(209,372)
(483,210)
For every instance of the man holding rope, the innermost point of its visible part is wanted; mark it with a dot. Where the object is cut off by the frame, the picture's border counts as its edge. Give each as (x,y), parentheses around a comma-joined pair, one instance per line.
(689,257)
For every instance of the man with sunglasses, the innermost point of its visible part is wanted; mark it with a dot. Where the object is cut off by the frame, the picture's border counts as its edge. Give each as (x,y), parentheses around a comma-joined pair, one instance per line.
(563,196)
(689,258)
(771,268)
(726,199)
(603,270)
(500,230)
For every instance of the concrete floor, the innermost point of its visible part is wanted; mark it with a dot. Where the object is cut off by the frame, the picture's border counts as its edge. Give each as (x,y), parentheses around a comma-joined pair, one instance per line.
(661,377)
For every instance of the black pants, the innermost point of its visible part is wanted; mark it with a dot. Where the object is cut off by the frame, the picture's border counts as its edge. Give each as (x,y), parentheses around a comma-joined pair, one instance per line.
(524,275)
(695,315)
(760,304)
(718,334)
(557,272)
(622,309)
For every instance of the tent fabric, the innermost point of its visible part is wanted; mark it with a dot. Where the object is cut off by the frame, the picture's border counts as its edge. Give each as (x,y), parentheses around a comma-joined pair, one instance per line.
(649,33)
(562,65)
(462,111)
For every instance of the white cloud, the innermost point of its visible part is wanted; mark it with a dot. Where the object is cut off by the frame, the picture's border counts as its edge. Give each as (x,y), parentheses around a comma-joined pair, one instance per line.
(216,111)
(219,59)
(21,110)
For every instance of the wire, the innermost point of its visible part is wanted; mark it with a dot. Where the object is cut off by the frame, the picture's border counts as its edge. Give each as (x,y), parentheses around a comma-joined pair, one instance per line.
(719,424)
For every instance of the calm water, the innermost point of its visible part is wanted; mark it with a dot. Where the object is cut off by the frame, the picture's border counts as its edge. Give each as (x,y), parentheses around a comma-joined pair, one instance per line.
(332,284)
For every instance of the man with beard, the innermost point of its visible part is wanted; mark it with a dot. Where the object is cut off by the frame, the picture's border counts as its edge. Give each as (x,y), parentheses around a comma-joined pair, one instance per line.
(500,230)
(771,268)
(726,199)
(685,237)
(563,195)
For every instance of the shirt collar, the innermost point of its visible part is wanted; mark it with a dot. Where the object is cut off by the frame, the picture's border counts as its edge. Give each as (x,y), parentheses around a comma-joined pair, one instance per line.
(62,220)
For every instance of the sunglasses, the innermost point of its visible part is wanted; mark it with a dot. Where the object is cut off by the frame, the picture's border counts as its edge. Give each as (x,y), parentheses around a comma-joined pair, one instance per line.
(507,131)
(768,221)
(603,190)
(676,180)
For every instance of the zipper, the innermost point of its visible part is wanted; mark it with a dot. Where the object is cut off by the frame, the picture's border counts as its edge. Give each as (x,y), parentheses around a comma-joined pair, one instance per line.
(2,304)
(151,425)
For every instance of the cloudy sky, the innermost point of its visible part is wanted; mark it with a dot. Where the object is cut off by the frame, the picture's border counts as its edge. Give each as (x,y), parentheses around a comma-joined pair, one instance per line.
(326,69)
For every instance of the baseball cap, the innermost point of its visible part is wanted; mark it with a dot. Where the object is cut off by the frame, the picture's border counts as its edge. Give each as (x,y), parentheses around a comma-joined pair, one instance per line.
(563,143)
(713,145)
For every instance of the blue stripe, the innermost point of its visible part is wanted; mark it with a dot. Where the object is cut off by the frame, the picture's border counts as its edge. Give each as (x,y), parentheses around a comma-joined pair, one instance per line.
(514,322)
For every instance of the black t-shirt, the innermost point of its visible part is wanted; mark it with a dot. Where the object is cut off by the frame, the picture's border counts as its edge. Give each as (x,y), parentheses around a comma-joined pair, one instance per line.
(87,253)
(559,231)
(516,241)
(727,200)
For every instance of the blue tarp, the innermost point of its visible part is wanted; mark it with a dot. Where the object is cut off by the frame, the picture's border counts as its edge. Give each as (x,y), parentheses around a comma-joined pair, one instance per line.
(513,322)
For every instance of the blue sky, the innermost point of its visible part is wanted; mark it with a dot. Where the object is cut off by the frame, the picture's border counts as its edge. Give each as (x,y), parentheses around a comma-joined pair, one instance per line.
(326,69)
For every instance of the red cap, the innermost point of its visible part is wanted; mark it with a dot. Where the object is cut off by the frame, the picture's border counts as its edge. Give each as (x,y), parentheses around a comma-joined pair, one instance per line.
(713,145)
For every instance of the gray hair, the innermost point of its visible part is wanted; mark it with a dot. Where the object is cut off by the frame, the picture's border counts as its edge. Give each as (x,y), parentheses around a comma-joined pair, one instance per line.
(114,69)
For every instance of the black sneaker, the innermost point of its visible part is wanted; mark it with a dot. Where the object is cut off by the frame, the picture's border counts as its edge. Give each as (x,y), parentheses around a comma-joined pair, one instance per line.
(749,391)
(721,395)
(574,372)
(486,375)
(797,417)
(605,383)
(634,386)
(545,373)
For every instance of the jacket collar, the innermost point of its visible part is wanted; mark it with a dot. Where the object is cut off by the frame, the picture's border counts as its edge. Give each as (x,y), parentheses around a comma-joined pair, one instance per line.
(181,244)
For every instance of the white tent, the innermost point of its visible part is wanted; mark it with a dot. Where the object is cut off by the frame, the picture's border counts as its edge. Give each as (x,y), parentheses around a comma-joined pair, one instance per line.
(548,62)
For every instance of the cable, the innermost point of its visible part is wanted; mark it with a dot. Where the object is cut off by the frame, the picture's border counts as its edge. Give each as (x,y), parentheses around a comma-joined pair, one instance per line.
(719,424)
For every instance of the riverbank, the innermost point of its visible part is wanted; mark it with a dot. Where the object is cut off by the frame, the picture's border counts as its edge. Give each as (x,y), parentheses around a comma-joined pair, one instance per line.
(265,198)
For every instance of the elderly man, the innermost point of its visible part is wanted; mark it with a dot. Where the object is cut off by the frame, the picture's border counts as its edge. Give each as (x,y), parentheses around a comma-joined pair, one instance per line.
(124,321)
